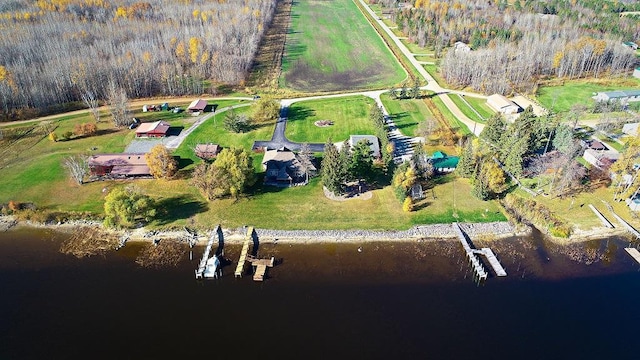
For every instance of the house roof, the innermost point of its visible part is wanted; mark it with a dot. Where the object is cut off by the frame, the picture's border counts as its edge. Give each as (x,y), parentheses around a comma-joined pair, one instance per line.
(375,143)
(135,159)
(154,127)
(448,162)
(198,104)
(597,145)
(281,154)
(122,164)
(620,93)
(439,155)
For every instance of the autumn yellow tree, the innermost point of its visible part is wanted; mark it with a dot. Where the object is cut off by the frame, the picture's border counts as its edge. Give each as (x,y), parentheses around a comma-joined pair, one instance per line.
(162,164)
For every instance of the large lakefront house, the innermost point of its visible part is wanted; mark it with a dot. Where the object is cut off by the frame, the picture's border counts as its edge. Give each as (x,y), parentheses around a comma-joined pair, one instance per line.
(119,165)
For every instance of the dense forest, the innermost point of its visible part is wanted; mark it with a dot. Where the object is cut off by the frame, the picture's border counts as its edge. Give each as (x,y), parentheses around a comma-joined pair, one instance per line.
(514,43)
(54,51)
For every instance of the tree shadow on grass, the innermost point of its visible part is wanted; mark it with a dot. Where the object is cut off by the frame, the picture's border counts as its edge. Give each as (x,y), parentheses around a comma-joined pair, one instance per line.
(183,162)
(298,113)
(179,207)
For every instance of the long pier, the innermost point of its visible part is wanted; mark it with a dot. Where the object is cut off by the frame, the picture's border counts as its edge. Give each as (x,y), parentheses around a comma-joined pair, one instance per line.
(478,269)
(243,258)
(205,256)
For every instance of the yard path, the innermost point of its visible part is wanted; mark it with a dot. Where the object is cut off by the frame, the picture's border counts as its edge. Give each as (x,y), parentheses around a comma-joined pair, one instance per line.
(432,84)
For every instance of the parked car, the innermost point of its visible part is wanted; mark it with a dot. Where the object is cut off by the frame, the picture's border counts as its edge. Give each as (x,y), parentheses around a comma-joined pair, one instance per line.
(176,110)
(134,125)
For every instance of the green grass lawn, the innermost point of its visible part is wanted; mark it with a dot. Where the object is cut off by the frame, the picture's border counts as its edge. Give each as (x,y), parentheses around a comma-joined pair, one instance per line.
(331,46)
(561,98)
(465,108)
(406,114)
(435,73)
(480,105)
(212,131)
(350,116)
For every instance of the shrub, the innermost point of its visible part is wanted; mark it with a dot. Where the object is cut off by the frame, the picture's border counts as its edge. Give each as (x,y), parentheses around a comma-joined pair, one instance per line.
(53,137)
(407,205)
(14,205)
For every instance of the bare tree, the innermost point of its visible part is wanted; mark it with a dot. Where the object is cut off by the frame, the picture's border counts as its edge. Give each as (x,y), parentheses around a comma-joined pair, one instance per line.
(118,105)
(77,166)
(89,98)
(306,157)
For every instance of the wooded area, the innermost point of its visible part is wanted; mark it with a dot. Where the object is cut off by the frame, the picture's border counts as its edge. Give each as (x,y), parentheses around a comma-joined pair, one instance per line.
(515,43)
(54,51)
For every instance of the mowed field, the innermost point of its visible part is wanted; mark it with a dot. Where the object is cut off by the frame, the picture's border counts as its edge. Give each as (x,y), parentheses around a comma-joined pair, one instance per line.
(560,98)
(330,46)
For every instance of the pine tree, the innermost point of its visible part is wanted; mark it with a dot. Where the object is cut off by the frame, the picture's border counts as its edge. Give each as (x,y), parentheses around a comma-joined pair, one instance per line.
(493,130)
(331,168)
(467,163)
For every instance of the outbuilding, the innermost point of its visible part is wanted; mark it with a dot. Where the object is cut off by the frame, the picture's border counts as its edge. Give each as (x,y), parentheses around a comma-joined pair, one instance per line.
(502,105)
(153,130)
(197,106)
(119,165)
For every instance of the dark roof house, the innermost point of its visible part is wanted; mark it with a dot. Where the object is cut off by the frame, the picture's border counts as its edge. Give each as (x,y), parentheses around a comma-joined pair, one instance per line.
(283,168)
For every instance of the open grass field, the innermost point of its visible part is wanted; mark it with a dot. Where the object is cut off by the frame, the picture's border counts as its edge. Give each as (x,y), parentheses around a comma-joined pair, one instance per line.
(331,46)
(560,98)
(429,58)
(480,105)
(350,116)
(435,73)
(406,114)
(414,48)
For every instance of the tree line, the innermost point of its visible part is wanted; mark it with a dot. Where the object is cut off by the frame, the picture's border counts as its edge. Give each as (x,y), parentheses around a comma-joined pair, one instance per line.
(55,51)
(516,43)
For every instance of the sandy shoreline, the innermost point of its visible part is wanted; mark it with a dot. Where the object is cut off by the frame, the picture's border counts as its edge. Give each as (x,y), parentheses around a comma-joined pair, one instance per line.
(479,231)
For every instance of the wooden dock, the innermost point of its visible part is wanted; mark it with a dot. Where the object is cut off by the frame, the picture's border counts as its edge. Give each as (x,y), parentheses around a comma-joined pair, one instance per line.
(635,254)
(243,258)
(478,270)
(493,261)
(260,267)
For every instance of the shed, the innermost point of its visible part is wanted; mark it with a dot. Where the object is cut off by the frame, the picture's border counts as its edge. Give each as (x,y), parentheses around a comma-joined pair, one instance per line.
(502,105)
(155,129)
(207,151)
(631,95)
(197,106)
(443,163)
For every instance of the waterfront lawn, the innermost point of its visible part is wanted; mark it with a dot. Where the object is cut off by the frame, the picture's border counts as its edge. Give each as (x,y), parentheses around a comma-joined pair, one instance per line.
(350,116)
(331,46)
(306,207)
(407,114)
(560,98)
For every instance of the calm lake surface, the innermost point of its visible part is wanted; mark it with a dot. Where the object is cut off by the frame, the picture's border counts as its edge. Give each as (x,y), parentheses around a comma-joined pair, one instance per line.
(390,301)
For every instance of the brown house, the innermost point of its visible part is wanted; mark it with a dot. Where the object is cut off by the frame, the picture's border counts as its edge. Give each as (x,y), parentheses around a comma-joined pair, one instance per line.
(283,168)
(207,151)
(119,165)
(153,130)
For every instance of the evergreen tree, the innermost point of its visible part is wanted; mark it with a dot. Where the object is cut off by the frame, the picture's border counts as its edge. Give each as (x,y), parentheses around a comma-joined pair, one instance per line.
(403,91)
(331,168)
(345,162)
(493,130)
(467,163)
(563,140)
(361,164)
(415,91)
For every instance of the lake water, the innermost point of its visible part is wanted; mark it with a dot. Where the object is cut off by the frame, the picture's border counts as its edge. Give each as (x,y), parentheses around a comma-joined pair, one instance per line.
(390,301)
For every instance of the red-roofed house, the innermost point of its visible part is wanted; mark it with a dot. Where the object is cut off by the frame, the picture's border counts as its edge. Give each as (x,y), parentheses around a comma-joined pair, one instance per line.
(118,165)
(154,129)
(197,106)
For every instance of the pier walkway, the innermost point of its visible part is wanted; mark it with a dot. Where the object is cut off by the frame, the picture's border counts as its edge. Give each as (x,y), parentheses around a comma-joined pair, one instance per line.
(635,254)
(243,258)
(478,269)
